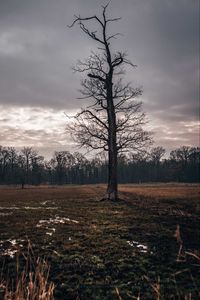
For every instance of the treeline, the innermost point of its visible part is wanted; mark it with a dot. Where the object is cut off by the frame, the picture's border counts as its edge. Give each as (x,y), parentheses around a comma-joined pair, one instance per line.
(29,167)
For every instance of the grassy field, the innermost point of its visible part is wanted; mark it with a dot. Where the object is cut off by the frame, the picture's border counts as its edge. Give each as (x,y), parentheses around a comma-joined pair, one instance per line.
(103,250)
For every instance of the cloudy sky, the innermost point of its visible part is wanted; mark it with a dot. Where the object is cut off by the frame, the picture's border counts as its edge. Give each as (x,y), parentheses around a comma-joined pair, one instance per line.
(38,50)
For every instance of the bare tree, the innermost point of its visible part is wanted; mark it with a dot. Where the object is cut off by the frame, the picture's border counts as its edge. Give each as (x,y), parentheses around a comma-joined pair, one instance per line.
(28,156)
(4,159)
(113,122)
(62,161)
(157,153)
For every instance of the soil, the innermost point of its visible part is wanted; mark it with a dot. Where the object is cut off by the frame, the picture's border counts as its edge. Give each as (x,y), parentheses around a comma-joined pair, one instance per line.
(106,250)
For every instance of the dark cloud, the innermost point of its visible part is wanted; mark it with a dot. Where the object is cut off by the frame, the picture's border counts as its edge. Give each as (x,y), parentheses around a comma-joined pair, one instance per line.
(37,51)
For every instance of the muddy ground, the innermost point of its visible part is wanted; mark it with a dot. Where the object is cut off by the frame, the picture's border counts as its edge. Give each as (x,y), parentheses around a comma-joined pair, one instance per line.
(102,250)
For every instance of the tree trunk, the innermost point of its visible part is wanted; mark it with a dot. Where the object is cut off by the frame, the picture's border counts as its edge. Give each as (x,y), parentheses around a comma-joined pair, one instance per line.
(112,189)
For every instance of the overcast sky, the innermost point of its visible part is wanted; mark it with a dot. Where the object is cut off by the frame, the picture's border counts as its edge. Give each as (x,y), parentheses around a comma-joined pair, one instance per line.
(38,50)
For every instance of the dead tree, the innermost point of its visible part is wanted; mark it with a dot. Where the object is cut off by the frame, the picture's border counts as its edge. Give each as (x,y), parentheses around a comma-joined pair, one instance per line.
(113,122)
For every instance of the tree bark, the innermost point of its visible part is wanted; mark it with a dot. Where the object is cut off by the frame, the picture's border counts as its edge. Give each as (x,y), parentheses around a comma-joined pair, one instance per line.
(112,188)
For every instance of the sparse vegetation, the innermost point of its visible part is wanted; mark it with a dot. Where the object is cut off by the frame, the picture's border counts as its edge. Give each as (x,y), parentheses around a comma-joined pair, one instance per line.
(101,250)
(30,280)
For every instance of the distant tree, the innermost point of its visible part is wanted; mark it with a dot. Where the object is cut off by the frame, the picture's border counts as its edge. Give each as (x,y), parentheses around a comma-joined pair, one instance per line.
(30,163)
(185,163)
(13,163)
(194,155)
(26,153)
(64,164)
(138,167)
(21,161)
(155,159)
(157,153)
(181,154)
(61,159)
(4,161)
(113,122)
(79,167)
(37,162)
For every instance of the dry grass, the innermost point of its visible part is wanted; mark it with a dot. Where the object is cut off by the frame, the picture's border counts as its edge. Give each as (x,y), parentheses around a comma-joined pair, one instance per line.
(32,280)
(163,191)
(48,192)
(158,191)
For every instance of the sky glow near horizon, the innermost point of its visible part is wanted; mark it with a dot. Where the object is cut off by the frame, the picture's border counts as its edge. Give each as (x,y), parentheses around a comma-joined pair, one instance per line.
(38,86)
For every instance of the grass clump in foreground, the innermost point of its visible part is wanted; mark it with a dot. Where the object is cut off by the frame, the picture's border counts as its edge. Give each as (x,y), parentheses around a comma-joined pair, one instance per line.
(30,282)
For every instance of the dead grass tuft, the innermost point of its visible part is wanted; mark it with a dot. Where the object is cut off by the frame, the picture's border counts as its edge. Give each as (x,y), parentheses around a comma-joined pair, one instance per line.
(32,282)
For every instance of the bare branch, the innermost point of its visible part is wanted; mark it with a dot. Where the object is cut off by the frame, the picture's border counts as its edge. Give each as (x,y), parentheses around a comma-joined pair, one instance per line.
(93,116)
(96,77)
(79,19)
(92,34)
(113,36)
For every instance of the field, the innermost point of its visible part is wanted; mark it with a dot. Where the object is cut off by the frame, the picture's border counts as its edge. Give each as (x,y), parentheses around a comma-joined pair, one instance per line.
(103,250)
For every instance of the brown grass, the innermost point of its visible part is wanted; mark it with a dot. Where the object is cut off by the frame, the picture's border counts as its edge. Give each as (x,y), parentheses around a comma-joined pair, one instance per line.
(164,191)
(158,191)
(32,282)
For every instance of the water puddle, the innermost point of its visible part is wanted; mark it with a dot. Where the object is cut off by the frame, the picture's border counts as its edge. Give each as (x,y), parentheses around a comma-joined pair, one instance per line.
(6,214)
(39,207)
(47,224)
(10,252)
(46,202)
(55,221)
(50,231)
(9,208)
(141,247)
(116,212)
(10,247)
(27,208)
